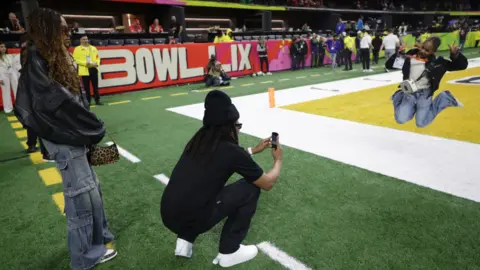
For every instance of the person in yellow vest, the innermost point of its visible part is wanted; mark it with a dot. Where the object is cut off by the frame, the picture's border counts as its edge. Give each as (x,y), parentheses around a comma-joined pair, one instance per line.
(88,61)
(477,37)
(221,37)
(349,43)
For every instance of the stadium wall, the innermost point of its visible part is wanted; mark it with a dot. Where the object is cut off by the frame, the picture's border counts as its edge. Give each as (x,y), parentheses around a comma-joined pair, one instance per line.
(131,68)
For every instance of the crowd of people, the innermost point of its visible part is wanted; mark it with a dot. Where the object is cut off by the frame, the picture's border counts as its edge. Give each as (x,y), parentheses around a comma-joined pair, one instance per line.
(387,5)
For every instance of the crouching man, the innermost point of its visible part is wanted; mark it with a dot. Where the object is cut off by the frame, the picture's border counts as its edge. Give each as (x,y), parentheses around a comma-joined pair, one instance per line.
(196,198)
(217,77)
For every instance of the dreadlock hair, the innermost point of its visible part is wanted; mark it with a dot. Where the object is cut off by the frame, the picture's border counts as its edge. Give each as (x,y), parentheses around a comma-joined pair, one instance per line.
(46,32)
(207,139)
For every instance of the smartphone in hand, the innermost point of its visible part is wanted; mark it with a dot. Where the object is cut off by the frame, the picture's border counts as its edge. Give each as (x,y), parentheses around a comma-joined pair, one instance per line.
(274,140)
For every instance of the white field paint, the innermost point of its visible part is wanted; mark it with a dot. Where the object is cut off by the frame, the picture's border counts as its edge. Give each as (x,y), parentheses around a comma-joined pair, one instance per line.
(281,257)
(124,153)
(162,178)
(441,164)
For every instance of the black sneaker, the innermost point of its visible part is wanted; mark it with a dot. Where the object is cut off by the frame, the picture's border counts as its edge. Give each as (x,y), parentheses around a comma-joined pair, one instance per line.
(32,149)
(99,103)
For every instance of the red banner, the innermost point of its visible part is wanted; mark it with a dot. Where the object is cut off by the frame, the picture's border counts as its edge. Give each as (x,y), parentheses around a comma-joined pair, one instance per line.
(129,68)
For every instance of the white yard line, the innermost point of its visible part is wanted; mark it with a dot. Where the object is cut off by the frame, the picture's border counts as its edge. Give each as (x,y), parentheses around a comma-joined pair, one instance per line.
(124,153)
(281,257)
(162,178)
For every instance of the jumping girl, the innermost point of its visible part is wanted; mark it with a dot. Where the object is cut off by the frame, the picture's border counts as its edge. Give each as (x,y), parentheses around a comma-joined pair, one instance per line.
(422,73)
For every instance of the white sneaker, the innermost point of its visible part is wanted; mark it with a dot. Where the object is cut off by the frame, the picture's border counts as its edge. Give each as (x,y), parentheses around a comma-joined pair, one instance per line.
(364,70)
(370,70)
(110,254)
(269,73)
(184,248)
(260,73)
(243,254)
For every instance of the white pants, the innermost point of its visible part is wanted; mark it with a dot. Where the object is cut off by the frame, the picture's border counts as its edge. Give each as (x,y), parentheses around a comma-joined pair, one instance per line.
(10,81)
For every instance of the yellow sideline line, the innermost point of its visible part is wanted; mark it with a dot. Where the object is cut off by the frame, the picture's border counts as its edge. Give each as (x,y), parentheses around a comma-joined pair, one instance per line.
(149,98)
(119,102)
(267,82)
(179,94)
(59,201)
(50,176)
(21,134)
(247,84)
(16,125)
(12,118)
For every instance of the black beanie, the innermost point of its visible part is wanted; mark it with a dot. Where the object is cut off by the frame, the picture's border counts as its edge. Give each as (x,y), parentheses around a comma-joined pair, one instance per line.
(219,109)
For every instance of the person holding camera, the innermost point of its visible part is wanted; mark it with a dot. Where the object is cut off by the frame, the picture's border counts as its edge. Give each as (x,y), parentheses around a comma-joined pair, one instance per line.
(422,73)
(196,198)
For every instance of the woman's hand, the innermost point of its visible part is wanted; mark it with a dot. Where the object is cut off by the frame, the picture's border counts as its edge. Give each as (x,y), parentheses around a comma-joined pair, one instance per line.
(454,49)
(262,145)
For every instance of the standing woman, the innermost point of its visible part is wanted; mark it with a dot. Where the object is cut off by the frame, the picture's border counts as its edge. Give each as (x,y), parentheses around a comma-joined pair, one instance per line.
(8,78)
(263,55)
(51,104)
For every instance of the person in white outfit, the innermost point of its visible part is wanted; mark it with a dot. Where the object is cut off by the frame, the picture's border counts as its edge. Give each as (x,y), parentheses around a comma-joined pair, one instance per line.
(8,78)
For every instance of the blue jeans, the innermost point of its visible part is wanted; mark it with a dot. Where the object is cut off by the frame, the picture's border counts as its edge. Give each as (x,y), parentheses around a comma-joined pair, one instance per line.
(87,229)
(334,60)
(420,104)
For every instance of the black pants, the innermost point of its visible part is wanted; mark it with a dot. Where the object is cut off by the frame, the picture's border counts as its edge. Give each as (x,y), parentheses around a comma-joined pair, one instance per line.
(365,58)
(32,137)
(294,62)
(348,59)
(93,78)
(476,43)
(340,56)
(375,56)
(237,202)
(301,61)
(321,57)
(263,60)
(358,57)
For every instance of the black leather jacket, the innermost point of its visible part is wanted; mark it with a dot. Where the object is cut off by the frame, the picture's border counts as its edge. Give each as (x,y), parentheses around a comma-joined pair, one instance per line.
(51,110)
(436,66)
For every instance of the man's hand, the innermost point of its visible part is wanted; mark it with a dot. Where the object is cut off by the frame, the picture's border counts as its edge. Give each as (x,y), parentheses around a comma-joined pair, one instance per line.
(265,143)
(454,49)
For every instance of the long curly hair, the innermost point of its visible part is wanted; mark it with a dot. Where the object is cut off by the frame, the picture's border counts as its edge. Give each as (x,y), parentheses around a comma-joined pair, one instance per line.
(45,30)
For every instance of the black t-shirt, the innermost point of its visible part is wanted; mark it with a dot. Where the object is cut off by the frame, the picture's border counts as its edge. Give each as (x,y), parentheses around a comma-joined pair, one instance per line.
(191,193)
(175,27)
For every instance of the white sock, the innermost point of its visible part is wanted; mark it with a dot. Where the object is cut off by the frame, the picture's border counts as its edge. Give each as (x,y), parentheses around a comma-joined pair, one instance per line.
(183,248)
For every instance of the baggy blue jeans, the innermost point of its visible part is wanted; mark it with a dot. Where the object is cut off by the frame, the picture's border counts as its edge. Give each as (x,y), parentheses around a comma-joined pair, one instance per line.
(87,229)
(420,104)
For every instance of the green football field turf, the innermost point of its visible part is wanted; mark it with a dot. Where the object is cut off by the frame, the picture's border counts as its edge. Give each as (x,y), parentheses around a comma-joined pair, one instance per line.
(326,214)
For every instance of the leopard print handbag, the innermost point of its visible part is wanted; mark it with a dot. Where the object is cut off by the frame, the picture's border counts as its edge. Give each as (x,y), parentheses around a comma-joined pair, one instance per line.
(99,155)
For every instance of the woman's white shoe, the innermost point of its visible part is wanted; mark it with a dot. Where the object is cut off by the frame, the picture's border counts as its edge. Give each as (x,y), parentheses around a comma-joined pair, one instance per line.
(184,248)
(243,254)
(109,254)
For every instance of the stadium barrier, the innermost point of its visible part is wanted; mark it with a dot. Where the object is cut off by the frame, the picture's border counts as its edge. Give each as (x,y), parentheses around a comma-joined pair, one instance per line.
(130,68)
